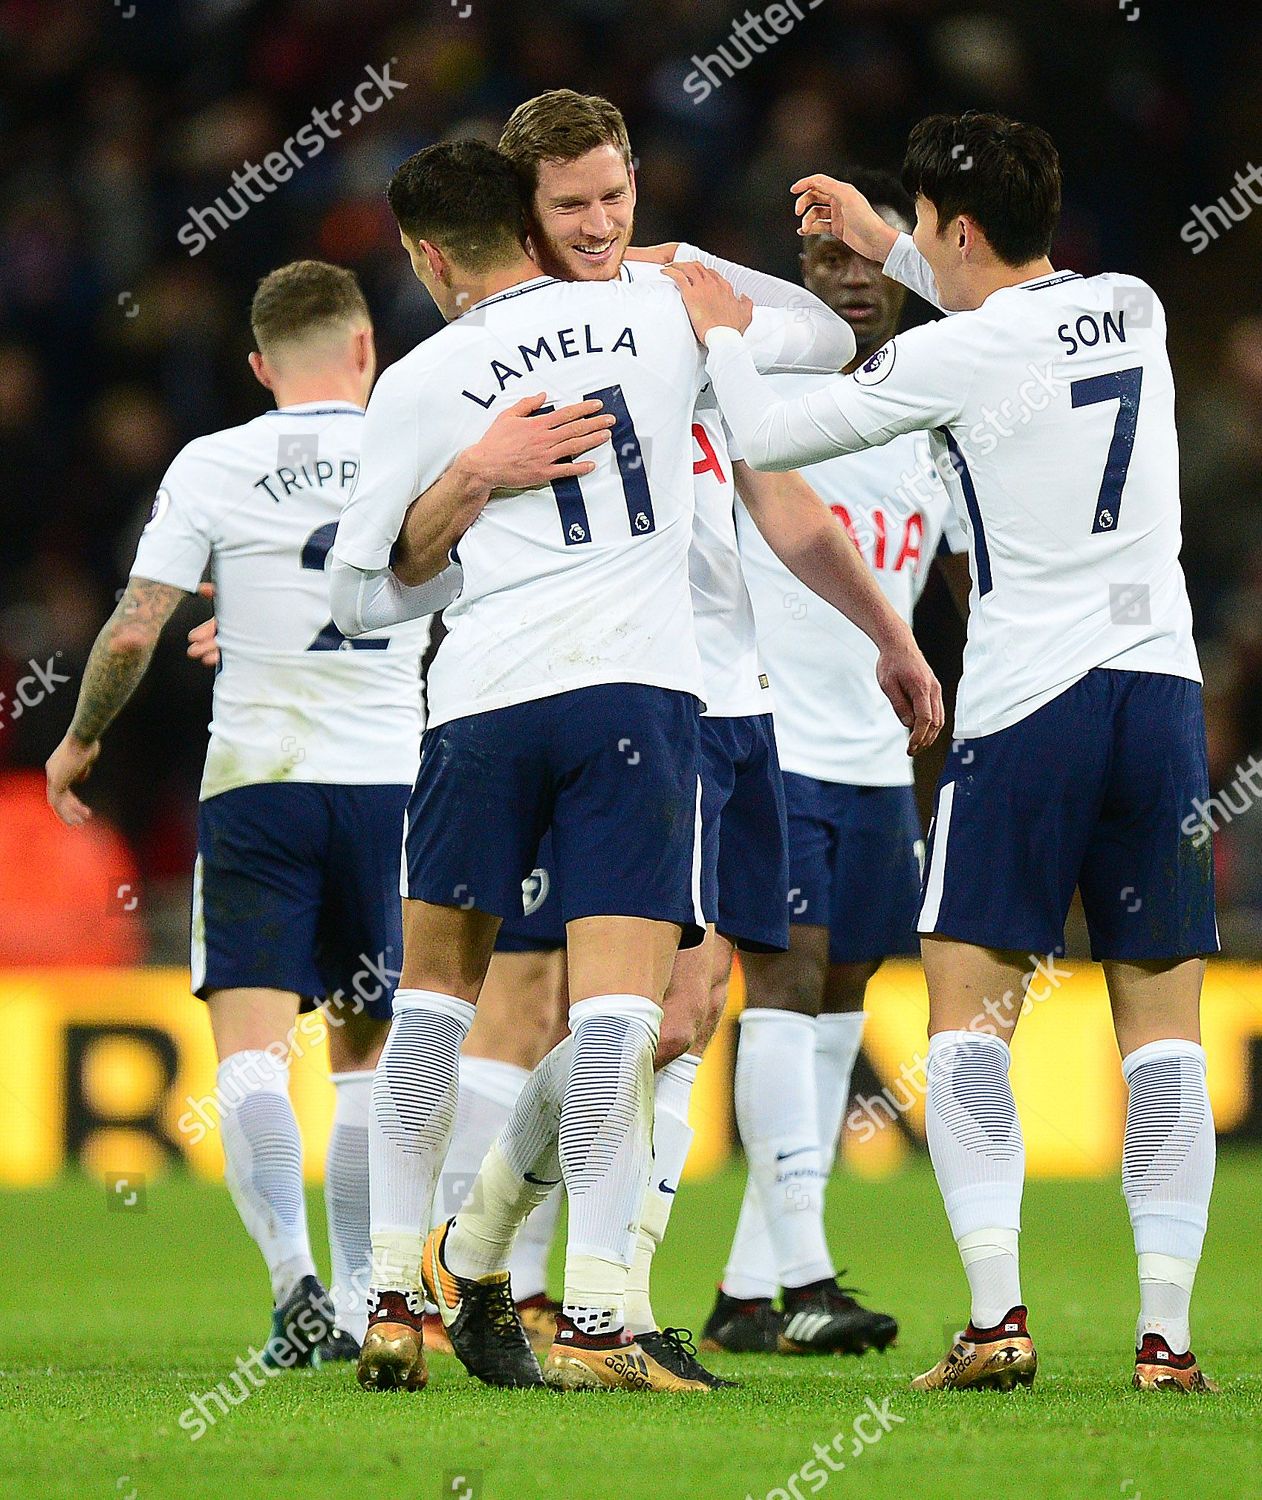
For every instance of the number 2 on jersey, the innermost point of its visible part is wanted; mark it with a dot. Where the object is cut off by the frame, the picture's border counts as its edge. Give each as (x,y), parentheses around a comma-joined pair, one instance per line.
(315,551)
(1123,387)
(575,527)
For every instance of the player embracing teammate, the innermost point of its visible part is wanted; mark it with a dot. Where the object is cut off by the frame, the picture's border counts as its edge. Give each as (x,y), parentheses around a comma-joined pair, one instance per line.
(1080,737)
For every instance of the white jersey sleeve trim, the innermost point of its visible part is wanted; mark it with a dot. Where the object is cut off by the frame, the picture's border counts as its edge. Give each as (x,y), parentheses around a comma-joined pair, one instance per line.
(371,599)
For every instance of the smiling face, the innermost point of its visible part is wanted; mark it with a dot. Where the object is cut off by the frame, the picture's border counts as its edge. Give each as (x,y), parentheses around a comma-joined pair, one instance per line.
(582,214)
(855,288)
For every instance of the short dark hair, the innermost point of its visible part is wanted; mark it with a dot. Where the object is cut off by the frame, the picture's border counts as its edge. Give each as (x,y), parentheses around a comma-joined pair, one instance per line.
(464,197)
(882,189)
(1005,175)
(304,297)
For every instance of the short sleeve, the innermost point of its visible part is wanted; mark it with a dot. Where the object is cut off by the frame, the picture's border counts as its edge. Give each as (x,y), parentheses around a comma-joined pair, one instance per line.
(176,544)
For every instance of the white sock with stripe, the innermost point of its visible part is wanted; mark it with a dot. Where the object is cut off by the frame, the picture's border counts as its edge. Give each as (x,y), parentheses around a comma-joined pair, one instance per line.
(978,1157)
(413,1111)
(263,1164)
(520,1171)
(1167,1178)
(346,1200)
(605,1146)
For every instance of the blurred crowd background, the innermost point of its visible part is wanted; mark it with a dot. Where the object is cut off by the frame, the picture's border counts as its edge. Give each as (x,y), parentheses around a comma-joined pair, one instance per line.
(117,346)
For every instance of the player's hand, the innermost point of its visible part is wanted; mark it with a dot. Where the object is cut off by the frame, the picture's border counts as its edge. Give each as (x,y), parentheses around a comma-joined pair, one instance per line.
(654,255)
(203,639)
(523,448)
(67,766)
(907,680)
(827,206)
(710,300)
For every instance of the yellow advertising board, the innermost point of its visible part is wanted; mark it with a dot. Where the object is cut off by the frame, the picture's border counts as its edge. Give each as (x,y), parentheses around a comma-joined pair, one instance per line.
(114,1069)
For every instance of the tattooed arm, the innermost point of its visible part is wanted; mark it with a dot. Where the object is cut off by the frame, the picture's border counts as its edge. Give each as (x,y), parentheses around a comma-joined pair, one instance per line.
(119,659)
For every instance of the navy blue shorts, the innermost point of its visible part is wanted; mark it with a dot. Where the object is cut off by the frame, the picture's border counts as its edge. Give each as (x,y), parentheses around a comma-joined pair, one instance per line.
(297,888)
(1094,790)
(612,770)
(744,843)
(855,856)
(538,927)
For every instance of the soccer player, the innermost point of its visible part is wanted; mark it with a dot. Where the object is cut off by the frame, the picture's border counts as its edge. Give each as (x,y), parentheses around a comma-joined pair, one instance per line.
(574,159)
(1080,738)
(313,745)
(855,840)
(564,696)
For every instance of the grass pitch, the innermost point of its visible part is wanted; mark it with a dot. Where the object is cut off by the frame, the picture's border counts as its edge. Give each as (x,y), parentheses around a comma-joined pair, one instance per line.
(112,1321)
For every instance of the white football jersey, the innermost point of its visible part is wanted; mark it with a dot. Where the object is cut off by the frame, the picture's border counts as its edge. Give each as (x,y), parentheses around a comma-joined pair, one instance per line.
(579,582)
(833,722)
(1050,412)
(779,336)
(293,700)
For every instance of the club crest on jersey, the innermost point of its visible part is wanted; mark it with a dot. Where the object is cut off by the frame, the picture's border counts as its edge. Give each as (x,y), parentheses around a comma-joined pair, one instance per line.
(534,891)
(161,504)
(877,366)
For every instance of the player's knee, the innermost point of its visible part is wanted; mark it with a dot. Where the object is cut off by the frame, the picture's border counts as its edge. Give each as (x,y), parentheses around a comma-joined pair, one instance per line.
(845,986)
(356,1043)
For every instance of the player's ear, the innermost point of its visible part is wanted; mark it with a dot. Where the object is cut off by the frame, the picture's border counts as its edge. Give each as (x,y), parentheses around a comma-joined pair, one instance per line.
(261,372)
(436,261)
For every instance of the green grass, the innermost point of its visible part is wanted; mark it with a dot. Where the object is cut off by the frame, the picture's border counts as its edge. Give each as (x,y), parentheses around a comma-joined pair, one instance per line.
(109,1321)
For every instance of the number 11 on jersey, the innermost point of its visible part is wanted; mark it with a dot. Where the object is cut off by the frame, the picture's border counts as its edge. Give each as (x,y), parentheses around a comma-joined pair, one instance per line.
(575,526)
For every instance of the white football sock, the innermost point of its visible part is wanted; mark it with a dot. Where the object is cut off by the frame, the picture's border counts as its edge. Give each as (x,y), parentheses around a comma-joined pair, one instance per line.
(1167,1177)
(263,1164)
(413,1110)
(520,1170)
(778,1116)
(672,1136)
(838,1038)
(606,1142)
(532,1249)
(488,1091)
(978,1157)
(346,1200)
(751,1270)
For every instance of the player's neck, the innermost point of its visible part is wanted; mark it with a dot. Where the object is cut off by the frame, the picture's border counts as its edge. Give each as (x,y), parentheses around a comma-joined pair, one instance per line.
(321,386)
(500,279)
(998,276)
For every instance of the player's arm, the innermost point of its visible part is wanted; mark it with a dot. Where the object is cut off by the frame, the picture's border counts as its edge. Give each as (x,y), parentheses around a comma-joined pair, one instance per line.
(959,581)
(827,206)
(119,659)
(791,328)
(799,528)
(921,382)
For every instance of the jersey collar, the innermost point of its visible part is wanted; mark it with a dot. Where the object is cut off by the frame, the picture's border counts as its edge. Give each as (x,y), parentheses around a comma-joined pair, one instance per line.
(315,409)
(1040,282)
(520,290)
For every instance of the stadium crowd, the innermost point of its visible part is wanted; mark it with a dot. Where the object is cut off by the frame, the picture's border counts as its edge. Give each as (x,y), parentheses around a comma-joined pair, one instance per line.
(117,345)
